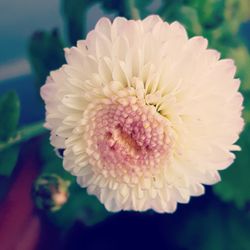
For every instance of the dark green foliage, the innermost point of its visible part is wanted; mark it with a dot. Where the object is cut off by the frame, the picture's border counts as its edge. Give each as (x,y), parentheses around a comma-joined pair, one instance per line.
(121,7)
(189,17)
(111,6)
(217,227)
(45,54)
(80,205)
(8,159)
(74,12)
(210,12)
(9,113)
(242,59)
(235,184)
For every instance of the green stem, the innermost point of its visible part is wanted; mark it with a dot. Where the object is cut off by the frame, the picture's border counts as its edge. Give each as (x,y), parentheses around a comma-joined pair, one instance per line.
(24,134)
(131,9)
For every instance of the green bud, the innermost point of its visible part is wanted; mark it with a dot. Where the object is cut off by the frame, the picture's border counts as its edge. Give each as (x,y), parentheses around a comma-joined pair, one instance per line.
(50,192)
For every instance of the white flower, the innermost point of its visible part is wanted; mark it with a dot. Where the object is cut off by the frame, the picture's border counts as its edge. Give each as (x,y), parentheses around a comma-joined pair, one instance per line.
(146,116)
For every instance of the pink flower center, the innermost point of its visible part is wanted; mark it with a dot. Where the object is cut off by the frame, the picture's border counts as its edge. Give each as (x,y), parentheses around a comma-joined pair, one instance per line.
(128,139)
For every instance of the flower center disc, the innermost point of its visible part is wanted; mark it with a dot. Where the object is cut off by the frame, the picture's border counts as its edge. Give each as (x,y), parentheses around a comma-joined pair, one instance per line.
(127,139)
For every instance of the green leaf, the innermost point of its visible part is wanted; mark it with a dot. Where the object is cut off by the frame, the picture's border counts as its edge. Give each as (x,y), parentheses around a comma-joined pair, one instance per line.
(80,206)
(235,184)
(126,7)
(169,10)
(236,12)
(74,12)
(216,227)
(188,17)
(8,159)
(210,12)
(45,54)
(9,113)
(52,164)
(246,111)
(242,60)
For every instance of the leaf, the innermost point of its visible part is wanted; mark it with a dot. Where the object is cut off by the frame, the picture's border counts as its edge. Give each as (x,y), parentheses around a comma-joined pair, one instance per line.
(246,111)
(114,6)
(122,7)
(74,12)
(169,10)
(80,206)
(210,12)
(245,34)
(8,159)
(45,54)
(242,60)
(52,164)
(235,184)
(217,227)
(188,16)
(9,113)
(236,12)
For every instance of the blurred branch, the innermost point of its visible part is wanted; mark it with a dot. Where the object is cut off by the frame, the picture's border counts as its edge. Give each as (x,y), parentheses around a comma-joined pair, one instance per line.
(24,134)
(131,9)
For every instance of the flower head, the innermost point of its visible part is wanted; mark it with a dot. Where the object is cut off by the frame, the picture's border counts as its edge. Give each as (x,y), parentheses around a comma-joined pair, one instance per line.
(145,115)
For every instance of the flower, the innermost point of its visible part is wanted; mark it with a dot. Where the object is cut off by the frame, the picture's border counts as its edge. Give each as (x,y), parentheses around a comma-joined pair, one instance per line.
(145,115)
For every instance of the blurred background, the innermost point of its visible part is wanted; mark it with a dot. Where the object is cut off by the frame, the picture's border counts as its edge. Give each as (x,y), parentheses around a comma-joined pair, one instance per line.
(41,207)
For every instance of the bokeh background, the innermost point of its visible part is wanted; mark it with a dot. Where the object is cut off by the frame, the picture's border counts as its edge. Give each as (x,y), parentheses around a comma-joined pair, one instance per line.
(32,37)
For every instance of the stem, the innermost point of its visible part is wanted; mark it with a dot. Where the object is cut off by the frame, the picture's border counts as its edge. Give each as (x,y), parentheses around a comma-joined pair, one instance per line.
(24,134)
(131,9)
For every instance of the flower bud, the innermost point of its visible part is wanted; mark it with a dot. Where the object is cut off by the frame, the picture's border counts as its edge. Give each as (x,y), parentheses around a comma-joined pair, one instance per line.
(50,192)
